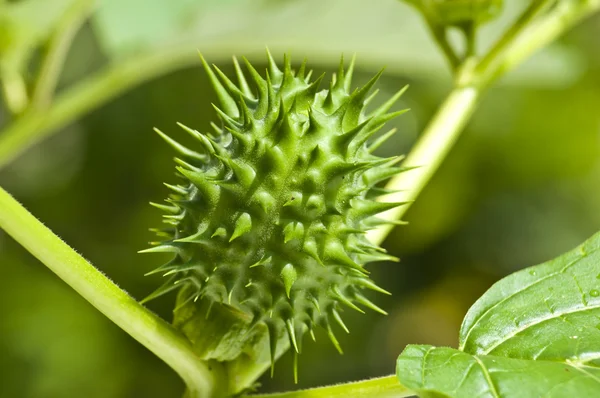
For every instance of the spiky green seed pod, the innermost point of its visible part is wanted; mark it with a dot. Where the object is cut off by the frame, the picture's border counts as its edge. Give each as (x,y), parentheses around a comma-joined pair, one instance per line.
(459,12)
(273,206)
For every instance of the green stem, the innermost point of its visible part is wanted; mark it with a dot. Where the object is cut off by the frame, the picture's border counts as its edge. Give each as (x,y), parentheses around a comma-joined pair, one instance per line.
(34,126)
(525,37)
(470,32)
(429,152)
(439,35)
(56,52)
(559,19)
(144,326)
(382,387)
(521,24)
(14,90)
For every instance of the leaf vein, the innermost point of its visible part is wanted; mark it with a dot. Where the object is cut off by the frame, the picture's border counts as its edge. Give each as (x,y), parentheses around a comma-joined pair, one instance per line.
(488,378)
(537,322)
(581,256)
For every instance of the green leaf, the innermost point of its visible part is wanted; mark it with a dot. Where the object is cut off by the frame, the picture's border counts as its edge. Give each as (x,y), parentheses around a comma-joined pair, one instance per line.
(534,333)
(446,372)
(380,33)
(550,311)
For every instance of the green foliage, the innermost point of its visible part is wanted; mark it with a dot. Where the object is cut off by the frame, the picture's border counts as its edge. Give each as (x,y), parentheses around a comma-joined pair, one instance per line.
(534,333)
(123,32)
(444,372)
(271,214)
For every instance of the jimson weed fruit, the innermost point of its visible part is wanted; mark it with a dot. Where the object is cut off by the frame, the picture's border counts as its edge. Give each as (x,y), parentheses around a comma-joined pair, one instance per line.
(271,209)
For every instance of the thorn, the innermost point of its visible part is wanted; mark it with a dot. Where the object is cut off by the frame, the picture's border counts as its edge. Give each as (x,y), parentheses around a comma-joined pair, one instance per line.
(194,238)
(242,79)
(221,232)
(230,295)
(328,102)
(227,102)
(261,86)
(247,119)
(295,368)
(302,69)
(367,303)
(188,166)
(176,189)
(243,172)
(272,331)
(199,180)
(389,103)
(370,207)
(335,342)
(375,175)
(293,230)
(163,289)
(315,303)
(163,248)
(210,306)
(243,224)
(227,120)
(273,70)
(216,128)
(338,295)
(292,334)
(262,261)
(289,276)
(335,252)
(349,73)
(356,103)
(231,88)
(369,284)
(162,268)
(200,137)
(288,76)
(245,140)
(339,320)
(339,77)
(308,76)
(184,302)
(379,141)
(370,98)
(178,147)
(166,208)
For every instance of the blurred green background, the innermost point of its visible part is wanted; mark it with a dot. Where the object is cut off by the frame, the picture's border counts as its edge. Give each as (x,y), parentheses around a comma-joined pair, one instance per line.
(521,186)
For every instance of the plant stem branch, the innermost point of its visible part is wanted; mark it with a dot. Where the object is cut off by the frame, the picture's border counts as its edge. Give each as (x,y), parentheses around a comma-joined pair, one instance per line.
(382,387)
(559,19)
(144,326)
(55,54)
(521,24)
(14,91)
(439,35)
(32,127)
(525,37)
(429,152)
